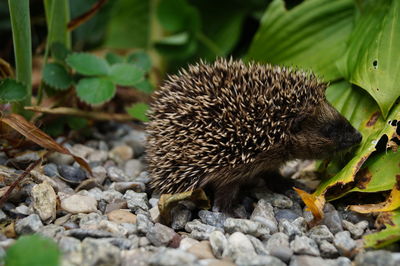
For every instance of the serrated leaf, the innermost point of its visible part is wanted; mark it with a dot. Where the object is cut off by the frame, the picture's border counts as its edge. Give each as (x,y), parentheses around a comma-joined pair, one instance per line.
(126,74)
(113,58)
(371,60)
(88,64)
(12,91)
(56,76)
(144,86)
(138,110)
(140,59)
(33,250)
(95,90)
(311,35)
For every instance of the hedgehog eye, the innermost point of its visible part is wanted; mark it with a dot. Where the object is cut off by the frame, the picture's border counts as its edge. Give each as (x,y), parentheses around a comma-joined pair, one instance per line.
(297,124)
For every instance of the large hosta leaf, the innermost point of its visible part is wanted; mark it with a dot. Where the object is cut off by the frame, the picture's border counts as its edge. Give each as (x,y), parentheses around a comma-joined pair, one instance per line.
(372,59)
(387,236)
(312,35)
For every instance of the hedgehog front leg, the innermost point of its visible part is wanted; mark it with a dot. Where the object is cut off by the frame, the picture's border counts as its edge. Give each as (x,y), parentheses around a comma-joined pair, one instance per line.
(225,197)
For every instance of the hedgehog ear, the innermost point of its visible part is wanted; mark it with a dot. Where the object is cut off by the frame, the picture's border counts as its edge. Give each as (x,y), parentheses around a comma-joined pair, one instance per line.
(297,122)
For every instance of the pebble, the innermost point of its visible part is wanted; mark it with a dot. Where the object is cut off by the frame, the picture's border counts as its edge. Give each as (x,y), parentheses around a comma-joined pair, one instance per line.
(60,158)
(289,228)
(120,153)
(327,249)
(286,214)
(71,174)
(116,174)
(202,250)
(137,140)
(143,223)
(172,257)
(51,231)
(99,252)
(81,150)
(278,246)
(344,243)
(50,170)
(124,186)
(375,258)
(135,257)
(238,244)
(304,246)
(333,221)
(136,201)
(3,216)
(121,216)
(160,235)
(199,230)
(111,195)
(98,156)
(100,174)
(44,201)
(28,225)
(258,245)
(245,226)
(133,168)
(216,219)
(356,230)
(264,213)
(180,216)
(79,204)
(258,260)
(71,249)
(187,242)
(85,233)
(155,216)
(275,199)
(218,243)
(320,233)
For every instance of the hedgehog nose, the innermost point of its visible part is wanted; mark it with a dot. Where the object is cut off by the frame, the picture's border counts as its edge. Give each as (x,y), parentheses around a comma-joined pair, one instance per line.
(357,137)
(351,139)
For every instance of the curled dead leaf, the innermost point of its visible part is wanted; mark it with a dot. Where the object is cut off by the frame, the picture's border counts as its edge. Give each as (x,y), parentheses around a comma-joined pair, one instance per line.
(314,203)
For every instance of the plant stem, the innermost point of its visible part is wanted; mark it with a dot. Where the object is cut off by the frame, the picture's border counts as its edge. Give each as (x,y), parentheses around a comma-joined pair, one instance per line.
(21,31)
(209,44)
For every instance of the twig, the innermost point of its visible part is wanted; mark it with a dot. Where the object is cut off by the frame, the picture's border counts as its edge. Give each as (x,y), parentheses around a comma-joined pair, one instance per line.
(76,22)
(85,114)
(19,179)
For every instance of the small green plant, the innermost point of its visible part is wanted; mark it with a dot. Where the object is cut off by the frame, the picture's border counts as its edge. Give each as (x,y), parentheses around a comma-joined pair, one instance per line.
(33,250)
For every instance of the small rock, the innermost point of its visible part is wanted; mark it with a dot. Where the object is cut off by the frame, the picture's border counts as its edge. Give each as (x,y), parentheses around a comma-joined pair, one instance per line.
(160,235)
(356,230)
(123,243)
(88,233)
(124,186)
(137,140)
(278,246)
(133,168)
(71,249)
(304,246)
(375,258)
(171,257)
(155,215)
(187,242)
(116,174)
(320,233)
(218,243)
(50,170)
(71,174)
(327,249)
(51,231)
(23,210)
(99,173)
(216,219)
(287,214)
(143,223)
(258,245)
(304,260)
(143,241)
(3,216)
(121,153)
(111,195)
(28,225)
(135,257)
(333,220)
(180,216)
(289,228)
(44,201)
(153,202)
(99,252)
(81,150)
(264,213)
(344,243)
(199,230)
(98,156)
(202,250)
(122,216)
(60,158)
(238,245)
(275,199)
(258,260)
(79,204)
(245,226)
(136,200)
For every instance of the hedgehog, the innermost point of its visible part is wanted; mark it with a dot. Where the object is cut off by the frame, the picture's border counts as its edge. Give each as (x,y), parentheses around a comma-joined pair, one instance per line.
(221,125)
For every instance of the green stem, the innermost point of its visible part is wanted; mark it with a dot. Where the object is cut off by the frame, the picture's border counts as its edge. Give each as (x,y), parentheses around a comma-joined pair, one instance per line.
(21,31)
(209,44)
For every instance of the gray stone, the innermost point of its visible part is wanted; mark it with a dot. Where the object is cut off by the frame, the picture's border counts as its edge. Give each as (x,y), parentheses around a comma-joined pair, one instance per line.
(199,230)
(289,228)
(135,257)
(28,225)
(282,253)
(51,231)
(356,230)
(111,195)
(320,233)
(344,243)
(160,235)
(264,213)
(305,260)
(71,249)
(97,156)
(180,216)
(124,186)
(258,245)
(44,201)
(341,261)
(246,227)
(143,241)
(277,200)
(3,216)
(172,257)
(375,258)
(304,246)
(116,174)
(137,140)
(60,158)
(153,202)
(89,233)
(143,223)
(187,243)
(136,200)
(89,221)
(23,209)
(71,174)
(238,245)
(133,168)
(81,150)
(216,219)
(333,220)
(155,217)
(258,260)
(50,170)
(277,240)
(79,204)
(328,250)
(99,252)
(99,173)
(287,214)
(218,243)
(124,243)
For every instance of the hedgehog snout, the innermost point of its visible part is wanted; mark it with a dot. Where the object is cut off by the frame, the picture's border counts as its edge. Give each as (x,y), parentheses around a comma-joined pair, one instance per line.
(350,139)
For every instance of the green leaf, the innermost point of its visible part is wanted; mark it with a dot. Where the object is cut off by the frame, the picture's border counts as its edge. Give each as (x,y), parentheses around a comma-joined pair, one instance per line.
(371,60)
(140,59)
(113,58)
(387,236)
(88,64)
(138,110)
(126,74)
(56,76)
(12,91)
(95,90)
(178,15)
(77,123)
(59,51)
(130,24)
(144,86)
(33,250)
(177,46)
(312,35)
